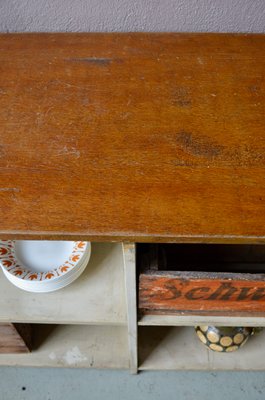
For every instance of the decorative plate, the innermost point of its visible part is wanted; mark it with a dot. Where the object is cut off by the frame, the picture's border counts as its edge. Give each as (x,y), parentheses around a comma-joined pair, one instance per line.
(40,260)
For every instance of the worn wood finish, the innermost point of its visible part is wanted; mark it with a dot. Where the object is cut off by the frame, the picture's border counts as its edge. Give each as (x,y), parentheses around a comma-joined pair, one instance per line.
(199,293)
(136,137)
(15,338)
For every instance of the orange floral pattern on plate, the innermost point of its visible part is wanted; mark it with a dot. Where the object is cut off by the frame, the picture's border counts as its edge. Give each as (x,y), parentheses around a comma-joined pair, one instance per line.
(12,265)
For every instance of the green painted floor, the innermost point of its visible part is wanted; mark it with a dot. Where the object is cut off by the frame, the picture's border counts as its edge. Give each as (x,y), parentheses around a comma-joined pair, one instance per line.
(74,384)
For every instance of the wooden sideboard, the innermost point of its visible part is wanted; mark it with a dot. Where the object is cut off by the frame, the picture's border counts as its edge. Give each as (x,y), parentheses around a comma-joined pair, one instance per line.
(122,139)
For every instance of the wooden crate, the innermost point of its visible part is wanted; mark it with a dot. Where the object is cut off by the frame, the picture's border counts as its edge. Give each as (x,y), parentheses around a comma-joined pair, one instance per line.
(201,279)
(15,338)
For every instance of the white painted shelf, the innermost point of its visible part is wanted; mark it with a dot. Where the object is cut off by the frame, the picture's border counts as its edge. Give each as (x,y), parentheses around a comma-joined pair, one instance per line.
(75,346)
(91,329)
(192,320)
(96,297)
(178,348)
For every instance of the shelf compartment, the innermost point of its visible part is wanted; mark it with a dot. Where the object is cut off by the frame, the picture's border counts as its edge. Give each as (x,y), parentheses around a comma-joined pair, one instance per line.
(195,279)
(178,348)
(74,346)
(96,297)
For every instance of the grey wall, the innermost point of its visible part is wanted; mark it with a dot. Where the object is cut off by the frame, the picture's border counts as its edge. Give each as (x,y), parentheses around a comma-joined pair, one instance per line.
(132,15)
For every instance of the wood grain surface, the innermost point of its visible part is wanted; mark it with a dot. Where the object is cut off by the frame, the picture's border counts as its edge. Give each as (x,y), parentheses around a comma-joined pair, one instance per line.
(136,137)
(15,338)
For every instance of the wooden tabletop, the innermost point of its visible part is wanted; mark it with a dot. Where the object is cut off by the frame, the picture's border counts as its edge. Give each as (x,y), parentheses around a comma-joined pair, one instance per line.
(135,137)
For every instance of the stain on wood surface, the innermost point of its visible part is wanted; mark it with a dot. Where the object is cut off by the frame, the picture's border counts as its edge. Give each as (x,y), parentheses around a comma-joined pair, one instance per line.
(198,146)
(92,60)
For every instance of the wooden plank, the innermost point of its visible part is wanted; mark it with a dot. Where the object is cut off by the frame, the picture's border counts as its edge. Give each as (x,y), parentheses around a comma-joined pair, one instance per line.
(15,338)
(129,254)
(200,293)
(135,137)
(97,297)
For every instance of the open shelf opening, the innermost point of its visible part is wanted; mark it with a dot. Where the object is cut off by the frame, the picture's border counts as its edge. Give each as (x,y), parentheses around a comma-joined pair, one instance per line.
(81,346)
(178,348)
(202,257)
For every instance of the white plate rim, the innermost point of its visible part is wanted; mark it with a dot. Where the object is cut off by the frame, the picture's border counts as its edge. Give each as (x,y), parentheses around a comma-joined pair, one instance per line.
(10,264)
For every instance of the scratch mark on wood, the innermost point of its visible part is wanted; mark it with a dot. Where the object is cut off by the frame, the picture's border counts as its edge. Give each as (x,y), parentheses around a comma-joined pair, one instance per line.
(69,151)
(67,84)
(9,190)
